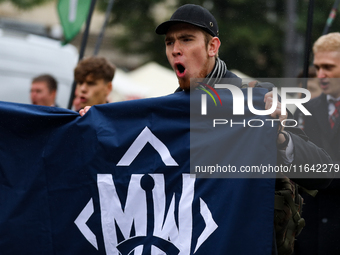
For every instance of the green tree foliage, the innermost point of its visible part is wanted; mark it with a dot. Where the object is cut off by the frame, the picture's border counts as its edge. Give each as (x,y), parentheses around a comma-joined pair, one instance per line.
(252,32)
(138,25)
(321,12)
(25,4)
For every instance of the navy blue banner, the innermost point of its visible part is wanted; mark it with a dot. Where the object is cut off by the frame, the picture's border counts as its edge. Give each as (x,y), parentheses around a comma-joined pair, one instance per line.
(118,181)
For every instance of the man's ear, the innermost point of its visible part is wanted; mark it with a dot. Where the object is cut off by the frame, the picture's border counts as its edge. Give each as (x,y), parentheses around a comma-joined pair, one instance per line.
(109,87)
(53,94)
(213,46)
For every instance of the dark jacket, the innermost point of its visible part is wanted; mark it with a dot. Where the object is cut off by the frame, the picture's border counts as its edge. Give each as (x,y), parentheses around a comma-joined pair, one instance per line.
(318,129)
(305,152)
(322,213)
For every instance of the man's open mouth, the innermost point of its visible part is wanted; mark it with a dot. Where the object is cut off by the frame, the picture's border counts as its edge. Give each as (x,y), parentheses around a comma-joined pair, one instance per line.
(180,68)
(324,84)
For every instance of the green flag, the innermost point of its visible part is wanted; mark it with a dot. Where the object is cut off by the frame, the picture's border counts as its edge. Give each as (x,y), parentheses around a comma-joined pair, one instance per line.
(72,14)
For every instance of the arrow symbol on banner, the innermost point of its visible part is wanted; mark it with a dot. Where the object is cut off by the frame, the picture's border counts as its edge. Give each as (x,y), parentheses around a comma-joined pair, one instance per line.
(81,220)
(143,138)
(210,224)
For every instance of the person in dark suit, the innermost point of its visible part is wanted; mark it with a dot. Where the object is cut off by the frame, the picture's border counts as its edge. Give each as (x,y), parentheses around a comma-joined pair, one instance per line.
(322,213)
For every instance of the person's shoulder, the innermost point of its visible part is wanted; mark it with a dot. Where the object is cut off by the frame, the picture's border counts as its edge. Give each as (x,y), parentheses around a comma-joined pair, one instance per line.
(316,102)
(230,74)
(234,79)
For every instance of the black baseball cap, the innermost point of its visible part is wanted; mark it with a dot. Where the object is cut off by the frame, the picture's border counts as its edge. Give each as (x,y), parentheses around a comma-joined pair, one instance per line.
(192,14)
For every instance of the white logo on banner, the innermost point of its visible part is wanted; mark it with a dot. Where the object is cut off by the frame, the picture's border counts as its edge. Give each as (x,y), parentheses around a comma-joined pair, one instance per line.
(146,136)
(145,193)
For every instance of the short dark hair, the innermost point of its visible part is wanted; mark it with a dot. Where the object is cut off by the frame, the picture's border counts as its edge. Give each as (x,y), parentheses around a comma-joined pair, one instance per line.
(207,39)
(98,67)
(49,79)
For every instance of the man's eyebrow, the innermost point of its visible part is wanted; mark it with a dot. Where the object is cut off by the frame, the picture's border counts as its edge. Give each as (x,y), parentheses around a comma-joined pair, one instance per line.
(324,64)
(89,80)
(186,36)
(182,36)
(169,38)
